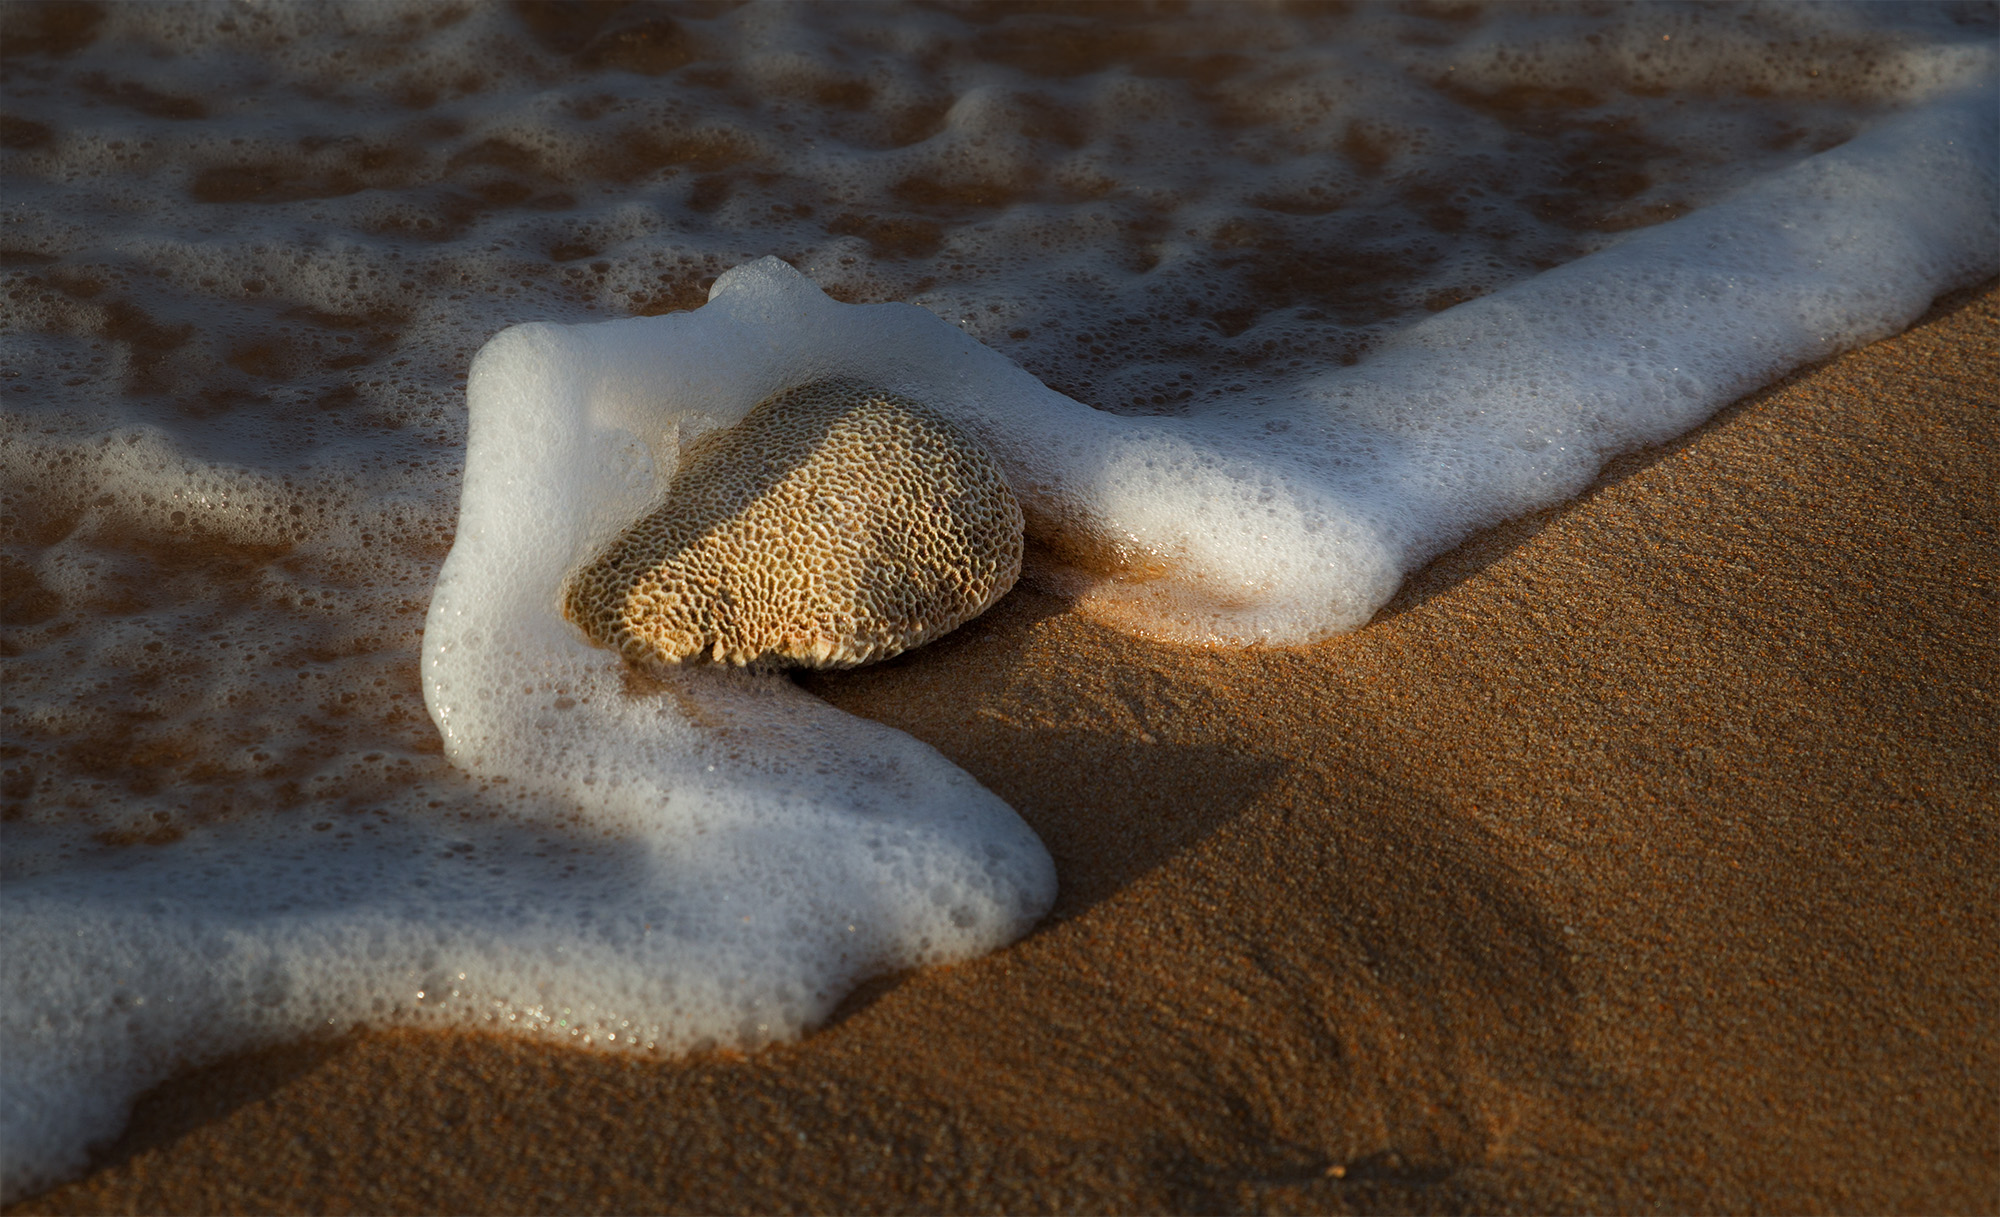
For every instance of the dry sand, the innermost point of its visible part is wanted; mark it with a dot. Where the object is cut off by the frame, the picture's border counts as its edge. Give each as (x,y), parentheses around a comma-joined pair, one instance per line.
(1640,856)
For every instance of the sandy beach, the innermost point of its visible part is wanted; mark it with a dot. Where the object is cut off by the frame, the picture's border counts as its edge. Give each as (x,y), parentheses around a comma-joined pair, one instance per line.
(1639,857)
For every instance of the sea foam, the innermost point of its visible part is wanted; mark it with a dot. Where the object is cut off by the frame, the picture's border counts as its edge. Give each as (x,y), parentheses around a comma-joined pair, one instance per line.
(716,862)
(1294,513)
(715,859)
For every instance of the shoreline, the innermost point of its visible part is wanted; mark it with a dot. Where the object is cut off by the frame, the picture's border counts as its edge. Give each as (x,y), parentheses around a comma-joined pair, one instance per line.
(1622,862)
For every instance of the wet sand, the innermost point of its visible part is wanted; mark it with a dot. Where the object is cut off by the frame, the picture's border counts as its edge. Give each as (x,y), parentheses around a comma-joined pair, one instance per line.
(1639,856)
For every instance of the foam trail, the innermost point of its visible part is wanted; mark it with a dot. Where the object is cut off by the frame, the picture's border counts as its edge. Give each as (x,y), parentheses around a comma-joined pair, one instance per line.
(736,908)
(713,861)
(1298,515)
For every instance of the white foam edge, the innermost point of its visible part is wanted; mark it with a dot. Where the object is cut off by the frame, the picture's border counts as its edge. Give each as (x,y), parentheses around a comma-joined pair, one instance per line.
(749,852)
(1296,513)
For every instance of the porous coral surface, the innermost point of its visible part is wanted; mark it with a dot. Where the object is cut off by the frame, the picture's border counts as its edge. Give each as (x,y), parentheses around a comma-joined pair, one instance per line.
(835,525)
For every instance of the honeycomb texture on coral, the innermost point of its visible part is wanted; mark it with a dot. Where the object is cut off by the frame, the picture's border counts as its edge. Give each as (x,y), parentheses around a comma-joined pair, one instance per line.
(834,525)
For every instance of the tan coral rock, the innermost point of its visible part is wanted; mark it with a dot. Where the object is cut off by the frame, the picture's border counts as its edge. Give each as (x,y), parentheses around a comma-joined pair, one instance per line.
(834,525)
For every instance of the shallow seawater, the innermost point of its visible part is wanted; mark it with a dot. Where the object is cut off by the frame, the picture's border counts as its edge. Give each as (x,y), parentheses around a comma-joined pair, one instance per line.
(250,251)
